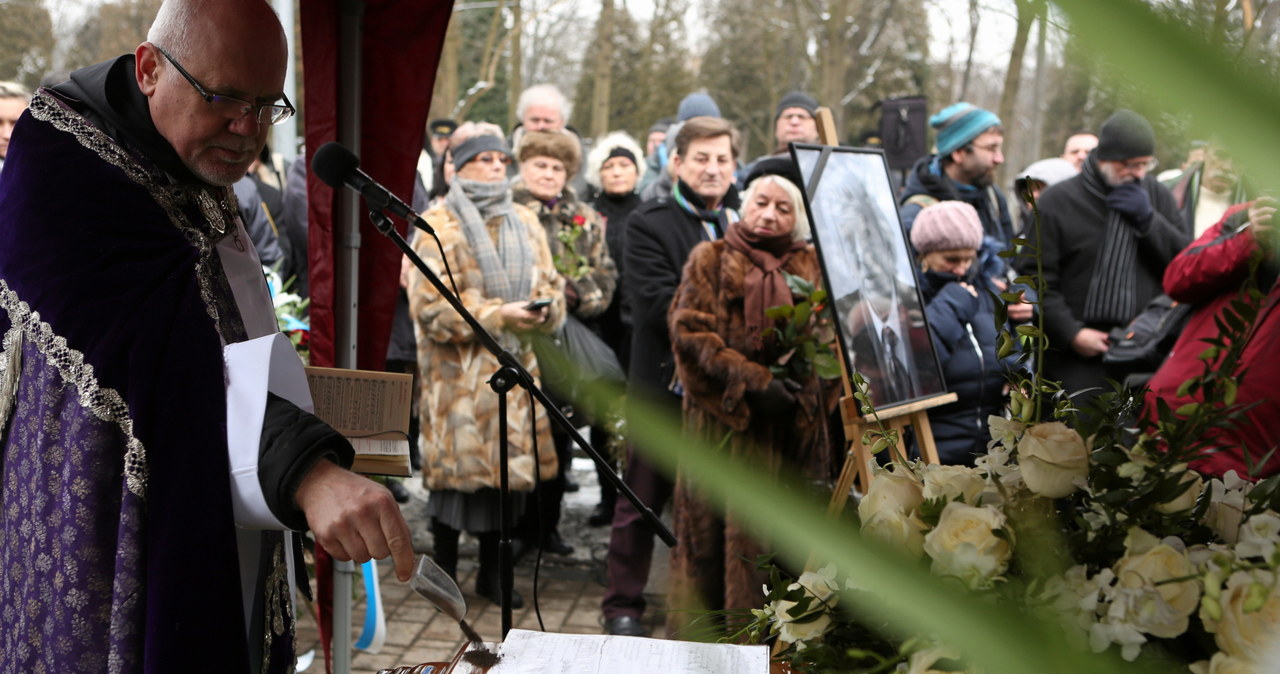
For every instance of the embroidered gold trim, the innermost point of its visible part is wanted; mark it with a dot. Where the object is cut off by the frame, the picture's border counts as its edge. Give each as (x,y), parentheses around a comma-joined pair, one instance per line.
(172,198)
(10,366)
(276,604)
(104,403)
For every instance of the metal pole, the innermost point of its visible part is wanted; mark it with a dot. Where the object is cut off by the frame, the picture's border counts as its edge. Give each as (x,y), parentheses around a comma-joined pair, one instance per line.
(284,137)
(346,279)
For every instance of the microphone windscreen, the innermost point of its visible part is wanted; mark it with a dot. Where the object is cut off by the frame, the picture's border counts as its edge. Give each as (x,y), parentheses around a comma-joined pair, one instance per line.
(333,162)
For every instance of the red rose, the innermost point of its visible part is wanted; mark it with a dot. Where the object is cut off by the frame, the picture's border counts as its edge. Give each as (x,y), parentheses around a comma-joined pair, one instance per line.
(579,221)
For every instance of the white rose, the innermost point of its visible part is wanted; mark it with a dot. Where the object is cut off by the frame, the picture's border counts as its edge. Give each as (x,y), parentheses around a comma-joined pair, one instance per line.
(1053,457)
(965,544)
(896,529)
(894,489)
(1249,629)
(1148,562)
(1187,499)
(953,483)
(1258,536)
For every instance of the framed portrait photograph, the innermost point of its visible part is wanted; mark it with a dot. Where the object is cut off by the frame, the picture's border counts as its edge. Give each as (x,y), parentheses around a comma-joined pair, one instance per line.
(869,272)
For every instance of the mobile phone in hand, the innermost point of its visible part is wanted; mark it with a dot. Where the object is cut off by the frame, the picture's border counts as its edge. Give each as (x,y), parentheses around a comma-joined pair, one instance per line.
(537,304)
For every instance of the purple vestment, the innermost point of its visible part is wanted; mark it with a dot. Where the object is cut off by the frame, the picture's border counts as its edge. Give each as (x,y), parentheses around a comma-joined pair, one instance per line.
(117,540)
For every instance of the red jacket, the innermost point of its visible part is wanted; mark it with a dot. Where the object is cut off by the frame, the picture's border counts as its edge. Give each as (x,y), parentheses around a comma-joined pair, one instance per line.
(1208,274)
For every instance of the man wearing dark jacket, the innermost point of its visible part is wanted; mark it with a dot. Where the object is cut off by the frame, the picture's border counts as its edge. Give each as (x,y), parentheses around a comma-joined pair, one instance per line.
(1106,237)
(970,148)
(660,234)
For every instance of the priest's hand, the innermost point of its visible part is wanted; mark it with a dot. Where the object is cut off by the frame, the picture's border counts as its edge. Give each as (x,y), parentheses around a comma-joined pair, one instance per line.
(354,518)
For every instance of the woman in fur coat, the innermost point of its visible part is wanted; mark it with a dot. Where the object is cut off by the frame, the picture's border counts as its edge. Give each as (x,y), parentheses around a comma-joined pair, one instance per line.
(723,351)
(575,233)
(500,262)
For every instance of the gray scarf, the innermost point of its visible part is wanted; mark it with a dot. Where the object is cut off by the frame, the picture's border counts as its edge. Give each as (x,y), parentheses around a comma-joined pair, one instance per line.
(507,267)
(1113,290)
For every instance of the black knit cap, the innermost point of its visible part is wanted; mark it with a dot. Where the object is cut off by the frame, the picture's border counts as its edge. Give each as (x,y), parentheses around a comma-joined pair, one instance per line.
(796,99)
(1124,136)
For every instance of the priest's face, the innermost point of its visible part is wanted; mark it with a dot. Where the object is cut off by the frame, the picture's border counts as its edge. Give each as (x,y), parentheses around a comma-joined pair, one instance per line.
(244,60)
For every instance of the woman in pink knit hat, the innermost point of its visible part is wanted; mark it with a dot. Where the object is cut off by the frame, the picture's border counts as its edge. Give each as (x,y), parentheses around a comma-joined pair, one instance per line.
(961,314)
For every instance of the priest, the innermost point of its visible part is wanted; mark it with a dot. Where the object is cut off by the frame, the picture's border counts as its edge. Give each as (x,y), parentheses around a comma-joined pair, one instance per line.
(155,447)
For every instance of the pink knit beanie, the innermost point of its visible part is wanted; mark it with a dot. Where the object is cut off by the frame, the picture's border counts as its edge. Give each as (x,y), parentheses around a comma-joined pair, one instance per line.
(946,225)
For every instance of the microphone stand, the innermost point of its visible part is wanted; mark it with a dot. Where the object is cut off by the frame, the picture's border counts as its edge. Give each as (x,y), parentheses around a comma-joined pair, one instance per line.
(509,374)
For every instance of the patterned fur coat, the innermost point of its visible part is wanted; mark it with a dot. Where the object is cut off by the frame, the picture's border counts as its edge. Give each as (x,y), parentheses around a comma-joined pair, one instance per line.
(598,277)
(712,567)
(458,410)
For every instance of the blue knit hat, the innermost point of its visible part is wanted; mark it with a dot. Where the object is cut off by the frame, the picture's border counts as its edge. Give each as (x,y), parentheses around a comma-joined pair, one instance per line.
(960,123)
(697,104)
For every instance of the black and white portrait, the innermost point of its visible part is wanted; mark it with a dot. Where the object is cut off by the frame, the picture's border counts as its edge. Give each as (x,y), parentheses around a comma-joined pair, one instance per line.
(869,272)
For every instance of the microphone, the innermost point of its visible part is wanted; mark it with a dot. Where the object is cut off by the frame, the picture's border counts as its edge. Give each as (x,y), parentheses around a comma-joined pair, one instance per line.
(336,166)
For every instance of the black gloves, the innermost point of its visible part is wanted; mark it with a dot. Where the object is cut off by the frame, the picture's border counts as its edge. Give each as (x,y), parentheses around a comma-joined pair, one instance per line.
(776,398)
(1132,201)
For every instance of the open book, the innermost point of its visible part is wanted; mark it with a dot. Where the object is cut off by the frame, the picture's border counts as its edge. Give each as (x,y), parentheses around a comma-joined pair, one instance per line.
(372,410)
(526,652)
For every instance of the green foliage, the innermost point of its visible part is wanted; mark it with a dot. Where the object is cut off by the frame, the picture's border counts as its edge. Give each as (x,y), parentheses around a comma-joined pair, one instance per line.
(806,336)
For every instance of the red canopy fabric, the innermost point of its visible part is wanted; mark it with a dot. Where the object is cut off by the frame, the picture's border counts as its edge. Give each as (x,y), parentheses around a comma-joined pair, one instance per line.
(400,50)
(402,41)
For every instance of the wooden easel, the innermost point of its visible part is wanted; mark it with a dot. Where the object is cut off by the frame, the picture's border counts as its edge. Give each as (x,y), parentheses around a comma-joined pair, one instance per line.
(858,459)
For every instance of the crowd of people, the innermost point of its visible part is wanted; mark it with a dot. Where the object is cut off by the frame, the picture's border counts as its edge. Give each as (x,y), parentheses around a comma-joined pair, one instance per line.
(664,258)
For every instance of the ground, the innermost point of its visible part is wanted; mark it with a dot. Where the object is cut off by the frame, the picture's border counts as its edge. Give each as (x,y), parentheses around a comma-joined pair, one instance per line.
(569,590)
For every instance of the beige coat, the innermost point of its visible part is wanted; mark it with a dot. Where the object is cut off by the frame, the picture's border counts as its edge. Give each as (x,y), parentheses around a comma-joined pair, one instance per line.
(458,409)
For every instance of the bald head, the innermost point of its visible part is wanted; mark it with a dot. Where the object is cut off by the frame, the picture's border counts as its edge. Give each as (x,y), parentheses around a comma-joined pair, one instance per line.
(230,49)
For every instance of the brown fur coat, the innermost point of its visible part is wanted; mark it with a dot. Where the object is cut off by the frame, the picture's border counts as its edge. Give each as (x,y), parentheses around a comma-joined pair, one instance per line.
(458,410)
(711,567)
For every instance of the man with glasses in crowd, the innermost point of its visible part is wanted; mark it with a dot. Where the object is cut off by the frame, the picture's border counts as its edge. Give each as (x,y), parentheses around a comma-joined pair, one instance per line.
(1106,236)
(970,147)
(152,460)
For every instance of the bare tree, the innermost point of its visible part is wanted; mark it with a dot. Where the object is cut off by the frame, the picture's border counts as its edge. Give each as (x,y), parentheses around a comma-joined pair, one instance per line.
(974,17)
(27,49)
(603,69)
(445,93)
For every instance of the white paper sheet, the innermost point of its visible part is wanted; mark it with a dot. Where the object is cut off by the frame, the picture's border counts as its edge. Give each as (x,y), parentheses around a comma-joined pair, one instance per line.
(526,652)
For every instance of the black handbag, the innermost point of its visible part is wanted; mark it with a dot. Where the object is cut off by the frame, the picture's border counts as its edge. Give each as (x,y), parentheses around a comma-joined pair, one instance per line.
(1143,344)
(573,356)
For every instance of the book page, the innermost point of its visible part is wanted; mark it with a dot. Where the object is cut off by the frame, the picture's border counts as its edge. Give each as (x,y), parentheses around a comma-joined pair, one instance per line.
(526,652)
(371,409)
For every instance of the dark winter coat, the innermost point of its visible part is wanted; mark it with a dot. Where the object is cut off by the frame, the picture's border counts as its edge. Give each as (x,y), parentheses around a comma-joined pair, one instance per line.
(1209,274)
(1073,226)
(615,324)
(928,179)
(719,367)
(660,235)
(964,337)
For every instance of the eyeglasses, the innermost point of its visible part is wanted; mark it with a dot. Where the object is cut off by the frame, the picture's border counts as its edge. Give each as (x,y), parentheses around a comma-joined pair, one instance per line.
(1137,164)
(231,106)
(993,148)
